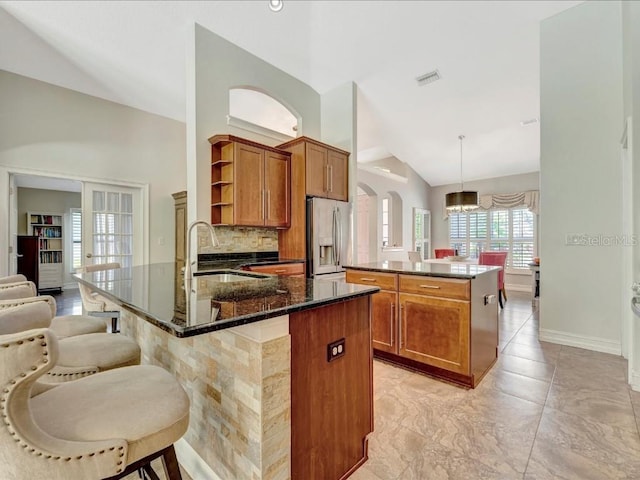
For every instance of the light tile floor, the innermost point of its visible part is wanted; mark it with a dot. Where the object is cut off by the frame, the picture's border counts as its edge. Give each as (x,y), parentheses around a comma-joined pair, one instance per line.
(544,412)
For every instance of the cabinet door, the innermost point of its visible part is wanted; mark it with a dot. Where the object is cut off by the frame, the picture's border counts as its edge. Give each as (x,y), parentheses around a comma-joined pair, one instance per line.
(435,331)
(338,176)
(277,171)
(384,327)
(249,195)
(317,170)
(29,257)
(289,269)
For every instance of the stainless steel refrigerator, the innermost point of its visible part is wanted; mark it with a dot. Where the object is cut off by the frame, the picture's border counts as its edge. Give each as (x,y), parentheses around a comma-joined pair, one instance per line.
(327,236)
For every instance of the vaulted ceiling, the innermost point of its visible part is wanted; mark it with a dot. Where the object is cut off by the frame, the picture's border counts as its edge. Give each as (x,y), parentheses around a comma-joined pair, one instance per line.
(487,53)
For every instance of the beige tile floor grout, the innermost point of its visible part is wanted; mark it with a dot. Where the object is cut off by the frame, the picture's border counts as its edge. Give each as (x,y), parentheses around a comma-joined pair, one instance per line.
(543,412)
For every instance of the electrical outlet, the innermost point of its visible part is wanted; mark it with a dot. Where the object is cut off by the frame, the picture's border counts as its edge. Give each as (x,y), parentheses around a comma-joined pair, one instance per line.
(335,350)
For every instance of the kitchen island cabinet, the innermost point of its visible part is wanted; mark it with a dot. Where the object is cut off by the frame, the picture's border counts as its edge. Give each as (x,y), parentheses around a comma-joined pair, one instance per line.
(268,398)
(440,319)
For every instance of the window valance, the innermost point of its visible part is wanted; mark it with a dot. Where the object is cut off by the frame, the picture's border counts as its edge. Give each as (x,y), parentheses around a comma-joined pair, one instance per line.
(529,199)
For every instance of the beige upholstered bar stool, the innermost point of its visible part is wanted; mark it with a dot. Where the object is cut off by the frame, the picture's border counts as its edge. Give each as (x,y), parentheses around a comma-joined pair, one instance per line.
(79,356)
(64,325)
(13,279)
(17,290)
(67,433)
(92,302)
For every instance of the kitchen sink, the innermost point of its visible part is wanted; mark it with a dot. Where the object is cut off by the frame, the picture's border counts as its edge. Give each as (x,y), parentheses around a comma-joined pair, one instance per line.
(233,285)
(228,276)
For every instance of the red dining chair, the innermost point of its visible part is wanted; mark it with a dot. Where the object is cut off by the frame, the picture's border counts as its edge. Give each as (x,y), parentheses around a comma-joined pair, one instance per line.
(496,259)
(444,252)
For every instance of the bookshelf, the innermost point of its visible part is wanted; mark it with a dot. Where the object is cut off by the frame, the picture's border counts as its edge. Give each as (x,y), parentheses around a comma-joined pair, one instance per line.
(48,227)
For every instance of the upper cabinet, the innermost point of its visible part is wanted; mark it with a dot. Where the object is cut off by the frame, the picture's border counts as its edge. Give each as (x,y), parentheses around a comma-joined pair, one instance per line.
(250,183)
(326,168)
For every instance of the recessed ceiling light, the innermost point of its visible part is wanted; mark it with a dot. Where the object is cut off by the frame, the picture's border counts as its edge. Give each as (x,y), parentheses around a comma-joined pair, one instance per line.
(531,121)
(276,5)
(428,78)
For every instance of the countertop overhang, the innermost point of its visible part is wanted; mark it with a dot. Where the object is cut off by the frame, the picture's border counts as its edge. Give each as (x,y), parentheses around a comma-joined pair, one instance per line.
(153,292)
(446,270)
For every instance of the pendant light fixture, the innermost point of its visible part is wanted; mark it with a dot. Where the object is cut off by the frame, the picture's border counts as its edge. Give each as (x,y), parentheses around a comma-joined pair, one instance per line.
(461,201)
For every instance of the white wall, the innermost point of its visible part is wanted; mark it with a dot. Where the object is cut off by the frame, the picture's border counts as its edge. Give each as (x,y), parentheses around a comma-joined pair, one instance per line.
(61,132)
(581,126)
(338,114)
(414,193)
(507,184)
(219,66)
(631,71)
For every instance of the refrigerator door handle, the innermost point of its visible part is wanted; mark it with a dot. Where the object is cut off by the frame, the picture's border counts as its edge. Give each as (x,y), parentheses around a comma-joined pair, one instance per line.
(339,236)
(334,232)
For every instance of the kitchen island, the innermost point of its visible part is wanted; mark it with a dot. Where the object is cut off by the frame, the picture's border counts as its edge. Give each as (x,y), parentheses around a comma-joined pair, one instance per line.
(436,318)
(278,369)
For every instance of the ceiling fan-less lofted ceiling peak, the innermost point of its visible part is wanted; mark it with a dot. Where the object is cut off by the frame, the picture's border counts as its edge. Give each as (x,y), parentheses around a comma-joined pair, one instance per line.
(486,53)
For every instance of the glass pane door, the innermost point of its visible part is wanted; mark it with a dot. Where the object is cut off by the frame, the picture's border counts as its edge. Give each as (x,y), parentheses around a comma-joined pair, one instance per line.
(422,232)
(113,220)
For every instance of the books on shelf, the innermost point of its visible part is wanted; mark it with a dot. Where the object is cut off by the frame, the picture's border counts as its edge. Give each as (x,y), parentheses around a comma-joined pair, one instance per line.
(48,227)
(48,232)
(41,219)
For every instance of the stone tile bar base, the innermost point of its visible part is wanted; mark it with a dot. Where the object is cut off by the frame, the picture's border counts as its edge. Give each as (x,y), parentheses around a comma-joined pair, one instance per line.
(239,384)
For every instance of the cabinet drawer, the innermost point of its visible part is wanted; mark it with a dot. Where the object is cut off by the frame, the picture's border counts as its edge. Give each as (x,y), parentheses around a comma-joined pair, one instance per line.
(386,281)
(55,268)
(279,269)
(436,286)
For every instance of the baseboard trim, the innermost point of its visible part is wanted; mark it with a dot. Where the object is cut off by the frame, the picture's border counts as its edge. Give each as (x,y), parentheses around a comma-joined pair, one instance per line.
(70,286)
(514,287)
(192,463)
(581,341)
(634,382)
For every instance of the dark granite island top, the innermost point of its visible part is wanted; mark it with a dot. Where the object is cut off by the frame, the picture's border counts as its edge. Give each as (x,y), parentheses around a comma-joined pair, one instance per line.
(296,346)
(447,270)
(150,292)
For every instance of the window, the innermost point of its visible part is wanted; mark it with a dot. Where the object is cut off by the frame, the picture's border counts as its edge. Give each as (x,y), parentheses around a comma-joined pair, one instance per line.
(422,232)
(512,230)
(258,112)
(392,221)
(76,238)
(385,222)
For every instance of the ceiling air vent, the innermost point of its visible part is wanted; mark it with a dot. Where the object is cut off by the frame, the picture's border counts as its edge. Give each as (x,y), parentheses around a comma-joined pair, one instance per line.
(428,78)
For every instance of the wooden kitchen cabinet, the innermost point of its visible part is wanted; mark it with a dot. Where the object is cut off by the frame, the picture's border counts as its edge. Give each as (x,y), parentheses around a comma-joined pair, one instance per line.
(180,208)
(384,325)
(250,183)
(435,331)
(326,168)
(384,307)
(436,325)
(338,165)
(294,269)
(317,170)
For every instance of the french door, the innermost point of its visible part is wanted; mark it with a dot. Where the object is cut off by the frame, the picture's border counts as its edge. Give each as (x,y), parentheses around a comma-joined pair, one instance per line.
(113,227)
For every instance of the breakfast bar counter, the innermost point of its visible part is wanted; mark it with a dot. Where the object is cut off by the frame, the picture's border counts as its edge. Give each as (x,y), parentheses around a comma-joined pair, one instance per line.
(278,369)
(149,291)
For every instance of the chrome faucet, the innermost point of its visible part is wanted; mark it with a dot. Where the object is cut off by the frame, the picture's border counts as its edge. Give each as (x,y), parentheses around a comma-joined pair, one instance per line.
(188,274)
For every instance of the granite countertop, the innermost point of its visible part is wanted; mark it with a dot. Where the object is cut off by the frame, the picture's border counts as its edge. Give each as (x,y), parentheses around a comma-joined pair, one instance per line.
(150,292)
(447,270)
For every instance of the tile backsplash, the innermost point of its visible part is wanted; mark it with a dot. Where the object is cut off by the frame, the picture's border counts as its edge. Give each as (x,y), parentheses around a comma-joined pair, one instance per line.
(239,239)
